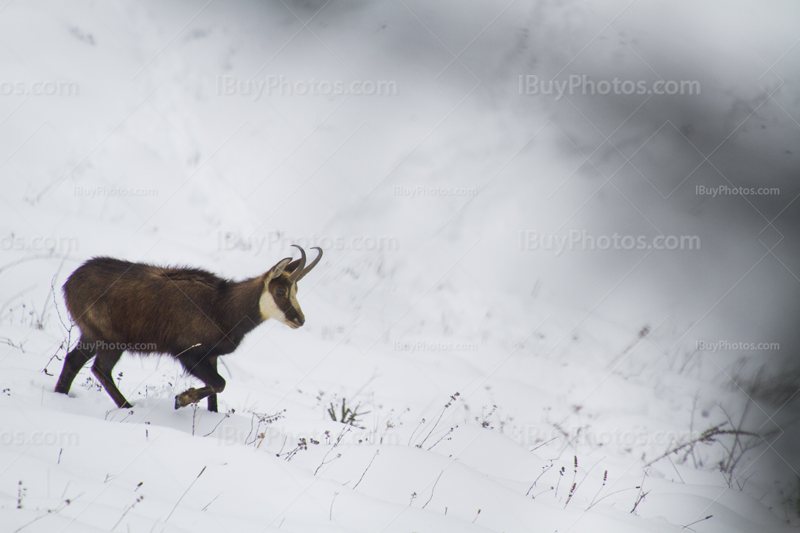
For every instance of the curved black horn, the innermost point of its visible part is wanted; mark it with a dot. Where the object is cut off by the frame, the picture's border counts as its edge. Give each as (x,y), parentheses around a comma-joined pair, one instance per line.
(298,272)
(312,265)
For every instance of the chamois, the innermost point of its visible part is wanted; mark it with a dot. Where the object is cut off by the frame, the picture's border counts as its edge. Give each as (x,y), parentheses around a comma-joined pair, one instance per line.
(190,314)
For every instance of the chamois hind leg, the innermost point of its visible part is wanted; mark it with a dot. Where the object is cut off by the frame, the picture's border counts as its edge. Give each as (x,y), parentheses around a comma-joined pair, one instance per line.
(73,362)
(204,368)
(102,369)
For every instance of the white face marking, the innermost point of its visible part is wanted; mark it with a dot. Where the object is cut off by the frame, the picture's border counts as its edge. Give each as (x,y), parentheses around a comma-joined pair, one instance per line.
(266,304)
(268,308)
(293,297)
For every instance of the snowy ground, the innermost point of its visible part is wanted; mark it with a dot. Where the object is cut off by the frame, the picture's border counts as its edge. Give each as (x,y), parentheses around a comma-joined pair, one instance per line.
(504,385)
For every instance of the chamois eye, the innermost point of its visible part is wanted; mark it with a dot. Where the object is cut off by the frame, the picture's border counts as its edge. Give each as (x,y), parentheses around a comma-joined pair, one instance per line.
(281,292)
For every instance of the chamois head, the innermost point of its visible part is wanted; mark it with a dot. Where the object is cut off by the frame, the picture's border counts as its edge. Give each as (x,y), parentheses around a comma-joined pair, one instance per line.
(279,299)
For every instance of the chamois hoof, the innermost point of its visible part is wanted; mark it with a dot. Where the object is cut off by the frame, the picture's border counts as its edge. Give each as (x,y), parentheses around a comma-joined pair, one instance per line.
(186,397)
(180,401)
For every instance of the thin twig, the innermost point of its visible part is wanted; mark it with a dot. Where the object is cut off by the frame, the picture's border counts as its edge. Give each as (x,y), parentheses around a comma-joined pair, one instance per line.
(184,493)
(344,432)
(433,489)
(443,437)
(227,415)
(544,470)
(586,475)
(544,443)
(691,425)
(610,494)
(640,497)
(365,471)
(20,293)
(708,436)
(212,501)
(422,421)
(574,485)
(194,415)
(131,506)
(605,478)
(60,508)
(6,340)
(697,521)
(51,291)
(441,414)
(330,513)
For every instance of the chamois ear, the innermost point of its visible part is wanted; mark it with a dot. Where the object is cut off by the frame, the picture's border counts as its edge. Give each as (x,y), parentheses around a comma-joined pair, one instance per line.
(276,271)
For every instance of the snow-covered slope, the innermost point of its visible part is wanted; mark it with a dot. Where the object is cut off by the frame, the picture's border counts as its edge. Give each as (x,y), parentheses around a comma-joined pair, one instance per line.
(506,384)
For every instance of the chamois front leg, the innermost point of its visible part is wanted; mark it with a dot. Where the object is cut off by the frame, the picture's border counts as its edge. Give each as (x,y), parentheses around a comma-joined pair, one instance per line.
(204,368)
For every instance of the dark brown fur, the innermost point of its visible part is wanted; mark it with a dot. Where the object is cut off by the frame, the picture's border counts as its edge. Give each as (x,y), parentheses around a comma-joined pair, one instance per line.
(123,306)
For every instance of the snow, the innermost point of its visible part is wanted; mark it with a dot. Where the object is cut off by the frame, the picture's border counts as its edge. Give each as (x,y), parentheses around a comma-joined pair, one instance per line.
(492,376)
